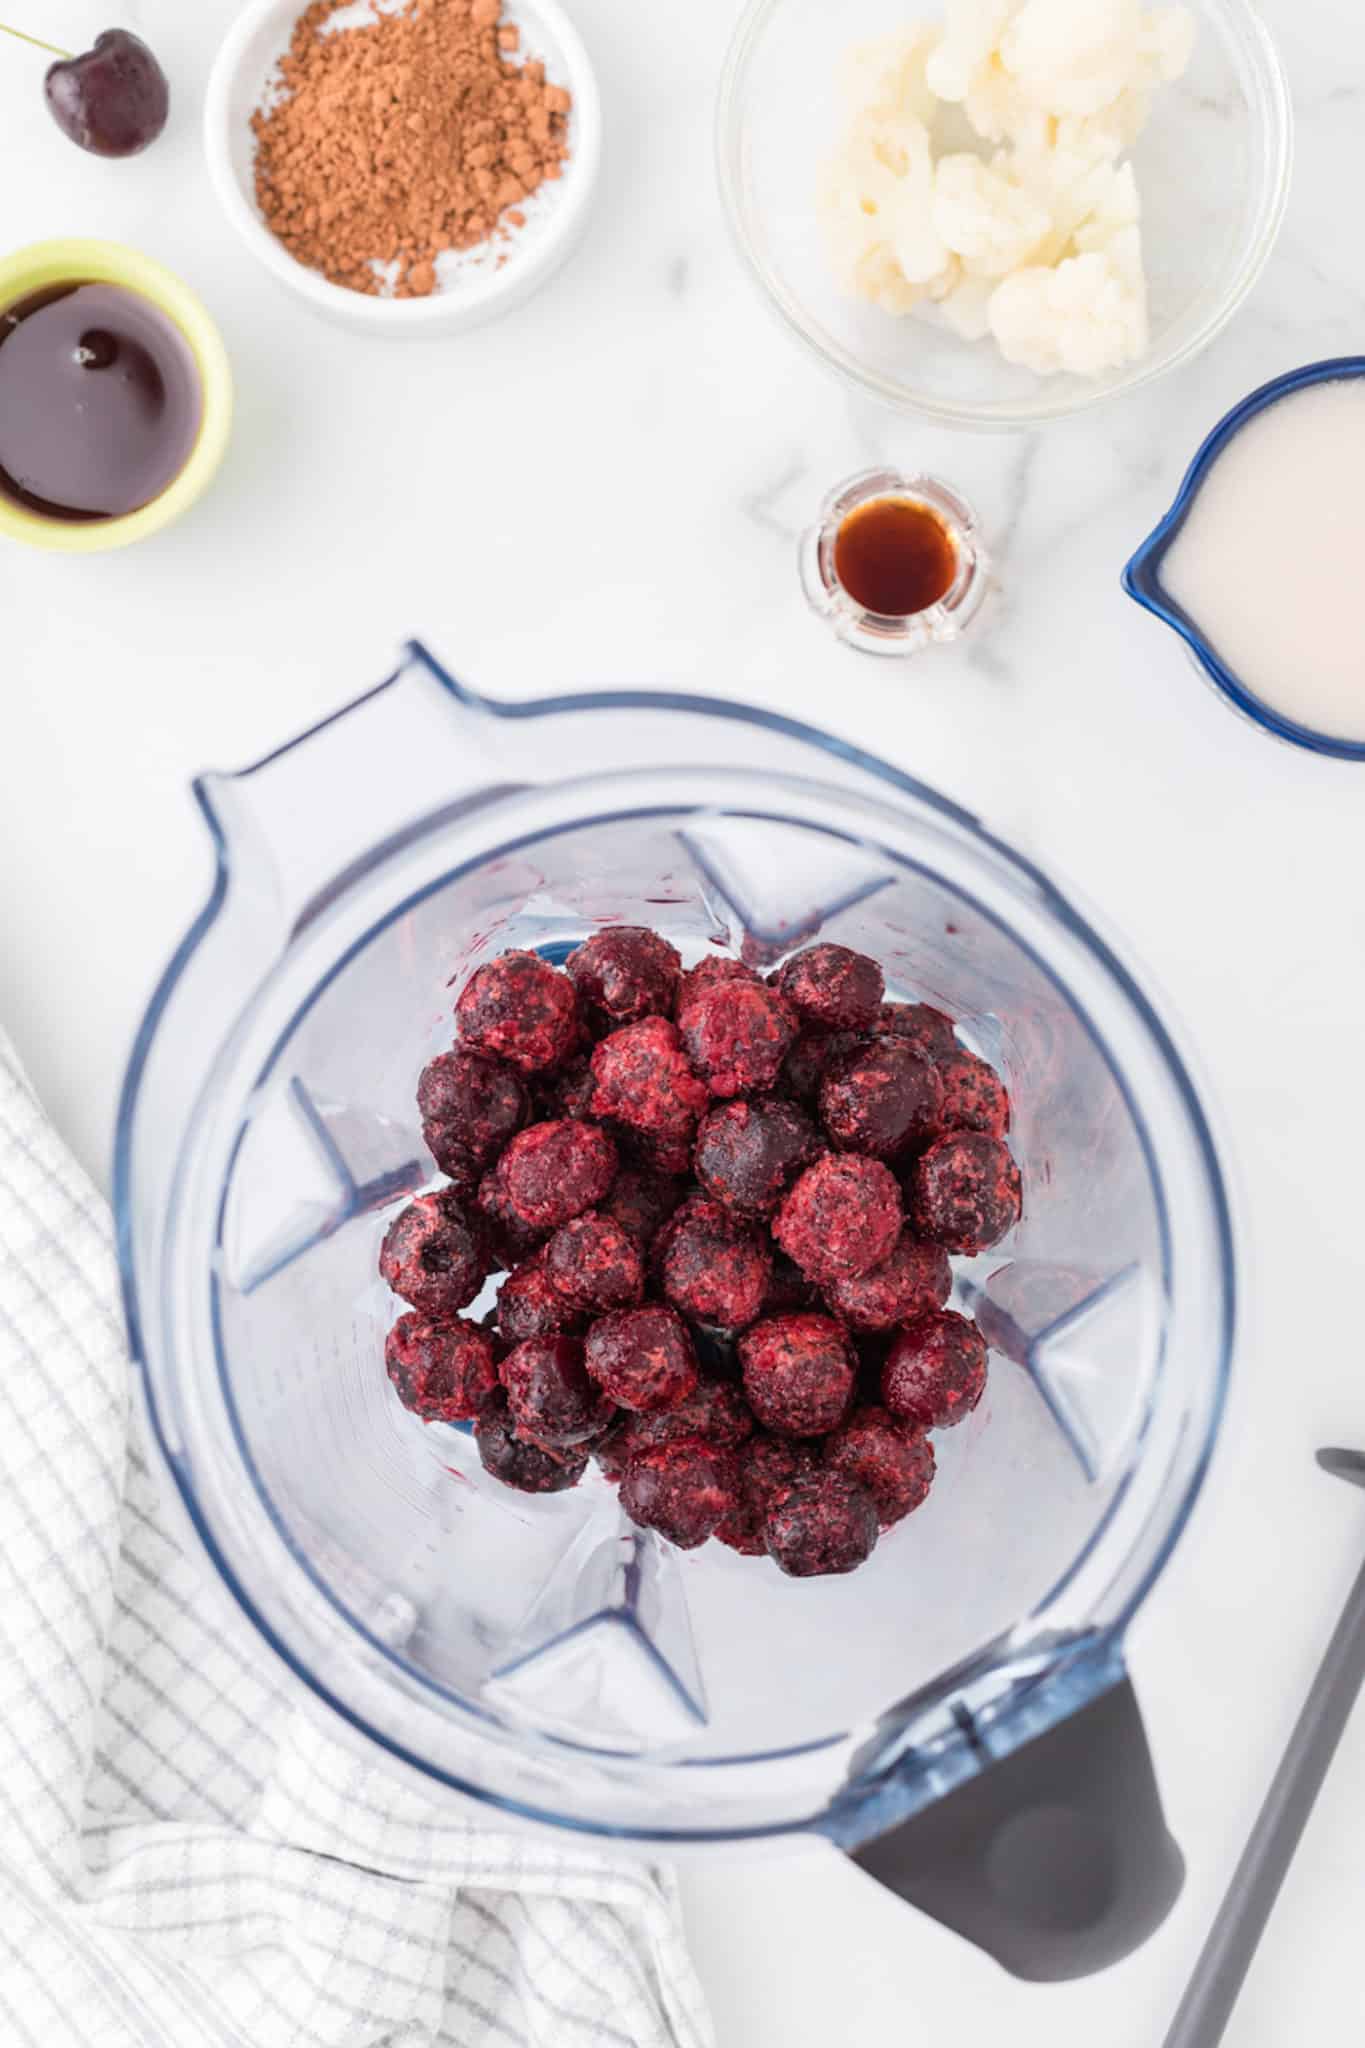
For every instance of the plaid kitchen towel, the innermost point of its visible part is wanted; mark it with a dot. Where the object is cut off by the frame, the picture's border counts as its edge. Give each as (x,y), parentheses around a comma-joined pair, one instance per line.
(186,1857)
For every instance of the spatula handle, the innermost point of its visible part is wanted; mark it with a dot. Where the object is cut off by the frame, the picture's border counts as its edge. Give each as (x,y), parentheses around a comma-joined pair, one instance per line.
(1213,1989)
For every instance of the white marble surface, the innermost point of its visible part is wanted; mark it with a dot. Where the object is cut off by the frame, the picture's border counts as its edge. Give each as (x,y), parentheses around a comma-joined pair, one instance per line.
(606,489)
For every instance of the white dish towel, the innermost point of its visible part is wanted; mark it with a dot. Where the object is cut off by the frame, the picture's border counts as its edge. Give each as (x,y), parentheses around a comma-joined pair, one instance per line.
(185,1857)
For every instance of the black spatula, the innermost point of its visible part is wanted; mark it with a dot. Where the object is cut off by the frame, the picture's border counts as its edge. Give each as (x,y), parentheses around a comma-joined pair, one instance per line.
(1212,1992)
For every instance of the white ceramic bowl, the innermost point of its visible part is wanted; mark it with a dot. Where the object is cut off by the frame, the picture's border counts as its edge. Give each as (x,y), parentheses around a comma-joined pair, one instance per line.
(472,290)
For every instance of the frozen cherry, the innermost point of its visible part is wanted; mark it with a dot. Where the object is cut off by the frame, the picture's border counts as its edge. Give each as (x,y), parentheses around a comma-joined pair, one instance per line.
(965,1192)
(520,1008)
(530,1305)
(717,1350)
(567,1092)
(873,1348)
(435,1254)
(553,1171)
(444,1372)
(112,99)
(715,967)
(789,1290)
(470,1106)
(775,1463)
(713,1267)
(833,988)
(642,1358)
(747,1153)
(552,1400)
(626,973)
(974,1097)
(642,1202)
(736,1034)
(804,1067)
(935,1372)
(880,1098)
(741,1527)
(915,1277)
(715,1409)
(768,1465)
(610,1452)
(668,1156)
(592,1261)
(842,1217)
(918,1024)
(512,1238)
(525,1466)
(465,1177)
(895,1465)
(644,1080)
(799,1373)
(680,1489)
(822,1525)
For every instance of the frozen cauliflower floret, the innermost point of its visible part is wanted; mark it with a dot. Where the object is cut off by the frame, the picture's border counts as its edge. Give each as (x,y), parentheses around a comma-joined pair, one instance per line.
(1035,238)
(909,214)
(971,31)
(998,110)
(1070,63)
(985,216)
(1057,153)
(1072,56)
(1102,199)
(875,202)
(877,277)
(877,211)
(1166,43)
(1111,204)
(946,282)
(886,78)
(859,189)
(1100,138)
(967,308)
(1087,315)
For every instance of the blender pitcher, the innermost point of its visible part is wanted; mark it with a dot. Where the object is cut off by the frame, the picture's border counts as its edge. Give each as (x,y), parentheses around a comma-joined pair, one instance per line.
(956,1714)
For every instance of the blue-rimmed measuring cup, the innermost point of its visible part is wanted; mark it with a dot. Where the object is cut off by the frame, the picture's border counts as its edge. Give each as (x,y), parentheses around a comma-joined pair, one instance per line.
(1142,578)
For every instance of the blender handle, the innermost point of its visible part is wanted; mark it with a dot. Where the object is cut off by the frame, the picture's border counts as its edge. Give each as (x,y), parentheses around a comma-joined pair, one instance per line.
(1055,1860)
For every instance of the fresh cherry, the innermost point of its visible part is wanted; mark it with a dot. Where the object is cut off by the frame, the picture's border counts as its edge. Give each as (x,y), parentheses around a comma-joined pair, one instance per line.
(113,99)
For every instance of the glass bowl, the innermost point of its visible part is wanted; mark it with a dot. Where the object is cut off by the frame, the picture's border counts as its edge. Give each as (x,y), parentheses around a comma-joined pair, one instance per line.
(1213,166)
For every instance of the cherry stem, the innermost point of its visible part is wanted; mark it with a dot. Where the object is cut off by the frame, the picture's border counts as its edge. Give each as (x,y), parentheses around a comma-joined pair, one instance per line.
(36,41)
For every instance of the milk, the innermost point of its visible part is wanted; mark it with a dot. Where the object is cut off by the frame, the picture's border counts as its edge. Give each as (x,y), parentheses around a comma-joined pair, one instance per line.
(1270,561)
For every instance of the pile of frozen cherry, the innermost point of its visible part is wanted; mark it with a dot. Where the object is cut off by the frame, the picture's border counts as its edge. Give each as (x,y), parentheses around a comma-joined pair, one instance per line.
(724,1208)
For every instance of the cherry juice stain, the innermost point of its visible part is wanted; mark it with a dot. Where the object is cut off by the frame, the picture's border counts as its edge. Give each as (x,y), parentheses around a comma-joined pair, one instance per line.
(100,402)
(895,557)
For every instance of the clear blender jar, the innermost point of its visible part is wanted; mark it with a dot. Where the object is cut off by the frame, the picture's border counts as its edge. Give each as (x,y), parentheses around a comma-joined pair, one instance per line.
(957,1713)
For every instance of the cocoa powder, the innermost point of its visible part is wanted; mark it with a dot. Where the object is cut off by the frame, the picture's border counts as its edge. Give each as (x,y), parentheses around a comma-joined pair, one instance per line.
(400,138)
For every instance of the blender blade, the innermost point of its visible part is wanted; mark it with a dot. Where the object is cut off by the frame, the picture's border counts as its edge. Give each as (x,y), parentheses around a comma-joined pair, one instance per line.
(767,889)
(606,1654)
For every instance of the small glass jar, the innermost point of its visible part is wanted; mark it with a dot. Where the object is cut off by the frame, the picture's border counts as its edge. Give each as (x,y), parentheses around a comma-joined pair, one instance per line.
(875,632)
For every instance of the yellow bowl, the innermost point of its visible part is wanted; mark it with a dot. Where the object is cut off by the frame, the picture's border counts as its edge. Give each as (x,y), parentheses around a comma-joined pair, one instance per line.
(73,260)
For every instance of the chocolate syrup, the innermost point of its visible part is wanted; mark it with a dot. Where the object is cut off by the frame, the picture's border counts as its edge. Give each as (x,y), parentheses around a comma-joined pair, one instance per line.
(100,402)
